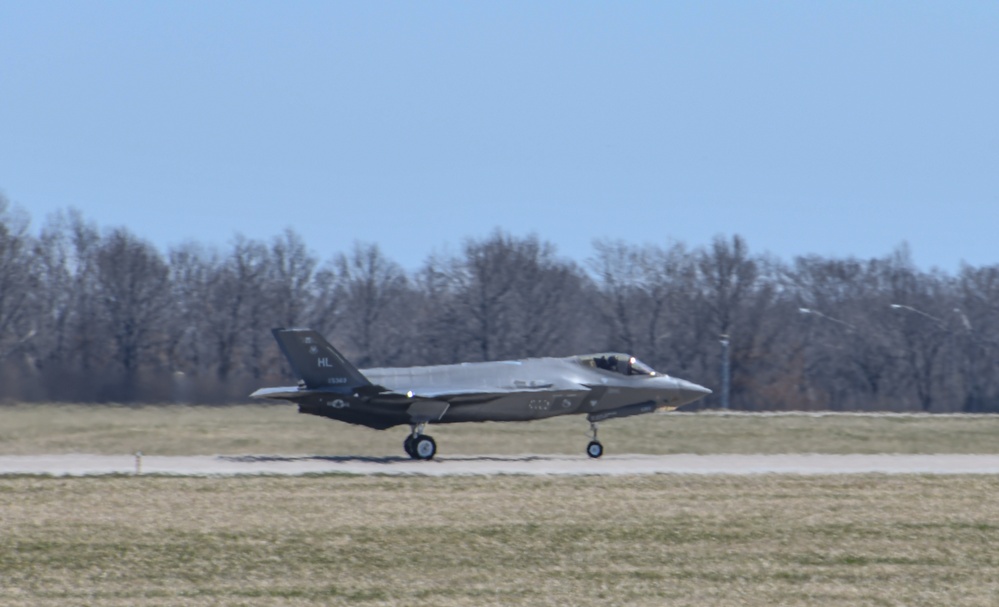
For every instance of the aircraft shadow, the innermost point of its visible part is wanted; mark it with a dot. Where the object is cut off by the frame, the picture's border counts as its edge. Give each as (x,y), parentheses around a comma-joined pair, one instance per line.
(385,460)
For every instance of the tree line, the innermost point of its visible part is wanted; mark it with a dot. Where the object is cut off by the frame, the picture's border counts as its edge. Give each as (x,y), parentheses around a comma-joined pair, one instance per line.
(91,314)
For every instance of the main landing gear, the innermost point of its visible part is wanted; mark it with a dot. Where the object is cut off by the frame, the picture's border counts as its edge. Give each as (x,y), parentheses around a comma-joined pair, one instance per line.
(421,446)
(594,449)
(418,445)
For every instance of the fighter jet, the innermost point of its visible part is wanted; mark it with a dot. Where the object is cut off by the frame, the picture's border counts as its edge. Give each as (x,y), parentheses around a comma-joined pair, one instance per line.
(601,386)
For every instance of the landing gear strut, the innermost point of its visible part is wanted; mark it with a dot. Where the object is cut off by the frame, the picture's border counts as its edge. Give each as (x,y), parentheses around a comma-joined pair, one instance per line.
(418,445)
(594,449)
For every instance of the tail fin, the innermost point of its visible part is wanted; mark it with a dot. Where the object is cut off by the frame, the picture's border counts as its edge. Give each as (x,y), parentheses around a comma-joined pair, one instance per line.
(316,362)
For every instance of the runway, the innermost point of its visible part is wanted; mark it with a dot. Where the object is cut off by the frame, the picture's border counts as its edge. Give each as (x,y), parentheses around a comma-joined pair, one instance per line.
(531,465)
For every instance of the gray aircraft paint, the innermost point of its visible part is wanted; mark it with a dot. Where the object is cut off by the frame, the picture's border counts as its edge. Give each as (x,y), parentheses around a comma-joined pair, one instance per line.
(518,390)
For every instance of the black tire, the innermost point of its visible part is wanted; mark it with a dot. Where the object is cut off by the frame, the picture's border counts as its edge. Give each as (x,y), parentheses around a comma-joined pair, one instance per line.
(594,449)
(407,445)
(424,447)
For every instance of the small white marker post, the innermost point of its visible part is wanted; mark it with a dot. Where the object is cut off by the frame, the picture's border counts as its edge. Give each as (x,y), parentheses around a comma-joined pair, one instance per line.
(138,463)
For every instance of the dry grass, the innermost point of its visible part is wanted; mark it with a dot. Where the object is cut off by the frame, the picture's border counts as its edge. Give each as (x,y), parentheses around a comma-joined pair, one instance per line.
(333,540)
(661,540)
(175,430)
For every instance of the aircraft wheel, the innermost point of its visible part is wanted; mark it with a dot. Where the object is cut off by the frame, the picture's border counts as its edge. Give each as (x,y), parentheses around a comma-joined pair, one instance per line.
(407,445)
(594,449)
(424,447)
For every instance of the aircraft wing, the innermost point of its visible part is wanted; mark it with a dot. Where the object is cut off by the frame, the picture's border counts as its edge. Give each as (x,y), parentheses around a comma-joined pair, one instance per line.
(285,393)
(388,398)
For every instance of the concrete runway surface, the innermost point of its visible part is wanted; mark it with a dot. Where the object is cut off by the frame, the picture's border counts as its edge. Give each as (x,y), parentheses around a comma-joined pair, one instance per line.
(534,465)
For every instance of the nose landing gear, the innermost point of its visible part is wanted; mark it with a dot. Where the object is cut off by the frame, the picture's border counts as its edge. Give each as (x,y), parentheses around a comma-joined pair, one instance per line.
(594,449)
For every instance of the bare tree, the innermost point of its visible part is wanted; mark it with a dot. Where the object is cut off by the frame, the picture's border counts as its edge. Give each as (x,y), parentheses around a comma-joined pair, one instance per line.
(736,295)
(71,349)
(919,300)
(978,337)
(18,279)
(133,283)
(189,349)
(503,297)
(620,279)
(373,294)
(289,280)
(843,320)
(481,283)
(88,315)
(18,294)
(235,290)
(646,302)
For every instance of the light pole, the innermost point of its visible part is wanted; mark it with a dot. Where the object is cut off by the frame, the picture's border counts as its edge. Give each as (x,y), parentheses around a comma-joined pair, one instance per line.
(935,320)
(725,370)
(974,398)
(809,389)
(965,321)
(827,317)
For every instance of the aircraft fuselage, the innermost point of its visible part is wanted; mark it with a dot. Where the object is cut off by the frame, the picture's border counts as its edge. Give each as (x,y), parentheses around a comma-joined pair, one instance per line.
(601,386)
(520,390)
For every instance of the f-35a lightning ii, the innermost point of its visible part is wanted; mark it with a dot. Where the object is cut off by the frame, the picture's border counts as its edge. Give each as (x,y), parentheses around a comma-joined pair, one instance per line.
(601,386)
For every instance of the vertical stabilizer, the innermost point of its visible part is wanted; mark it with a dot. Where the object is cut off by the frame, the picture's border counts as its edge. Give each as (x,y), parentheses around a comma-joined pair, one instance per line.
(316,362)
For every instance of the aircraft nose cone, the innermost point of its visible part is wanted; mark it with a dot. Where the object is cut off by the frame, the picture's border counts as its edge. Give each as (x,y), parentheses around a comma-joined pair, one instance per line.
(689,391)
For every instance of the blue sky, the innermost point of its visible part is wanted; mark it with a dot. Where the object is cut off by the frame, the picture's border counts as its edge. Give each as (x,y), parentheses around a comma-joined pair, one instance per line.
(836,128)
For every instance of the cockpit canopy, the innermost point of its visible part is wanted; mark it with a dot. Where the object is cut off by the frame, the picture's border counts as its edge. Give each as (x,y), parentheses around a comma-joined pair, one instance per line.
(625,364)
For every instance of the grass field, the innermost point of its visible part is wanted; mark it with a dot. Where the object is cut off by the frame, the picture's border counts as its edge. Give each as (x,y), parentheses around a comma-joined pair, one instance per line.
(174,430)
(660,540)
(643,540)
